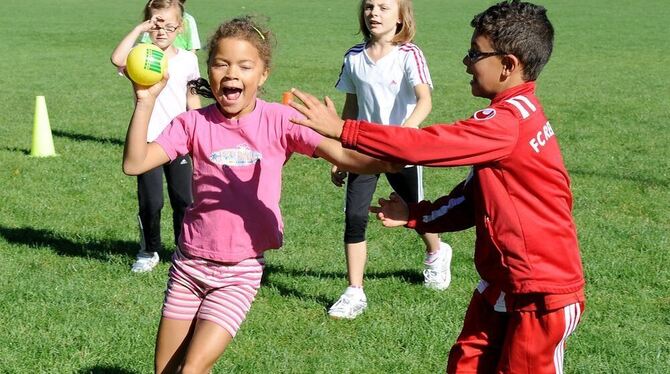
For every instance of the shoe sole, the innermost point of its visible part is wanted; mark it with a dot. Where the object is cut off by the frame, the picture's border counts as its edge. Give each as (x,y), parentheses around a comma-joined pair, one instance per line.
(143,270)
(345,318)
(437,288)
(348,318)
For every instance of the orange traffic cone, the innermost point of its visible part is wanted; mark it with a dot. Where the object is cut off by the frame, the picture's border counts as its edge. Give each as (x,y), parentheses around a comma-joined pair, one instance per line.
(286,97)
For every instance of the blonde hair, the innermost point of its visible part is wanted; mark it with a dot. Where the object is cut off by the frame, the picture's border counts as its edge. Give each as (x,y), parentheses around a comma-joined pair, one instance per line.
(405,31)
(162,4)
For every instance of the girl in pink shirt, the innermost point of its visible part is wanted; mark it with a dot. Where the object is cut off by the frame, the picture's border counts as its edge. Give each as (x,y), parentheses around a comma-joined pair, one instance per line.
(239,146)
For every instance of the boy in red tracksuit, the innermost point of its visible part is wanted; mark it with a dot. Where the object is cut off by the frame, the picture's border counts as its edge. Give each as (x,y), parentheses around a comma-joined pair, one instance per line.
(517,196)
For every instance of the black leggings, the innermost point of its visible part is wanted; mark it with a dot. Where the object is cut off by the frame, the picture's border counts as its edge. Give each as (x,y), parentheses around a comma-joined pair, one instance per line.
(361,188)
(150,199)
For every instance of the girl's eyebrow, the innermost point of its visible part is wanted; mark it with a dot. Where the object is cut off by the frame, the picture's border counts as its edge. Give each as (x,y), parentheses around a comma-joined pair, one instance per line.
(238,61)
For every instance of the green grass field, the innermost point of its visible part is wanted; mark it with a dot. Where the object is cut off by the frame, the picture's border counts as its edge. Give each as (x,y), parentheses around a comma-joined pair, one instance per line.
(69,304)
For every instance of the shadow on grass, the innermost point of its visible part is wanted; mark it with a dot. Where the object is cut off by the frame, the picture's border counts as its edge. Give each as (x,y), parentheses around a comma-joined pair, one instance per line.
(105,249)
(73,136)
(409,276)
(87,138)
(91,248)
(26,152)
(288,292)
(106,370)
(647,180)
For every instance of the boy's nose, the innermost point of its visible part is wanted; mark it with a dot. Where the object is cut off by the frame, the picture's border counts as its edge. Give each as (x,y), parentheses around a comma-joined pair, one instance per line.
(466,61)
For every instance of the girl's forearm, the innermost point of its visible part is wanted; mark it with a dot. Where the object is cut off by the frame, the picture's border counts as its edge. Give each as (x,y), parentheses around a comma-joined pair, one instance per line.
(419,114)
(121,51)
(358,163)
(135,150)
(424,104)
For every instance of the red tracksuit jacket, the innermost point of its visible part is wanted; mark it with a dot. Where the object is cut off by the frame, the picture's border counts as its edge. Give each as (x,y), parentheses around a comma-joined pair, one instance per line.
(517,196)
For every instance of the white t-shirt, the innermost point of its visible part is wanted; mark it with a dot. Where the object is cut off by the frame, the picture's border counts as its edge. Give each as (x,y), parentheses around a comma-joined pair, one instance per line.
(171,102)
(384,89)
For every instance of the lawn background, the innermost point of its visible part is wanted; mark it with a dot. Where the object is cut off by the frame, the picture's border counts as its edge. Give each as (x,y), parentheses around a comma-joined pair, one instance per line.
(68,302)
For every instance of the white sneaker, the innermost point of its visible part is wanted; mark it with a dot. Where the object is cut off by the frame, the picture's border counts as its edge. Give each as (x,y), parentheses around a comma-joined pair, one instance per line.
(352,303)
(146,261)
(437,274)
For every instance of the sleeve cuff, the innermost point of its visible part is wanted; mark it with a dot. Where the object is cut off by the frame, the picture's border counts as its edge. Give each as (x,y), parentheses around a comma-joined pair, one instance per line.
(349,133)
(170,151)
(414,219)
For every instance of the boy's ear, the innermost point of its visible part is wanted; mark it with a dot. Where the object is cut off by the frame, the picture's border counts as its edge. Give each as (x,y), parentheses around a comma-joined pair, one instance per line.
(511,64)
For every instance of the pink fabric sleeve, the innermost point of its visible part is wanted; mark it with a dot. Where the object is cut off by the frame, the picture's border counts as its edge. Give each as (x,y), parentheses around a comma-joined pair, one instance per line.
(175,137)
(301,139)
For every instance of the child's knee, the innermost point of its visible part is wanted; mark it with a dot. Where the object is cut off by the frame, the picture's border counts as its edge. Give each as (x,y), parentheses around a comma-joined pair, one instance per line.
(152,204)
(354,231)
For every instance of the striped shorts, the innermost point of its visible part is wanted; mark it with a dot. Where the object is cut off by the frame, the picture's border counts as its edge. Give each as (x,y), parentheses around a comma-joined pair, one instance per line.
(214,291)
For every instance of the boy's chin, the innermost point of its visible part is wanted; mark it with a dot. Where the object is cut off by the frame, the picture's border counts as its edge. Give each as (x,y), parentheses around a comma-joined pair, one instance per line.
(476,92)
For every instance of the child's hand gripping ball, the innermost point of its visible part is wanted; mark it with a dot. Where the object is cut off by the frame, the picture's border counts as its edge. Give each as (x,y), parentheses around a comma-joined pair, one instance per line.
(146,64)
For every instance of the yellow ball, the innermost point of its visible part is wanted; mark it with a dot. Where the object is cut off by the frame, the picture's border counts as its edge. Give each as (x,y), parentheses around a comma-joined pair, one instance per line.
(146,64)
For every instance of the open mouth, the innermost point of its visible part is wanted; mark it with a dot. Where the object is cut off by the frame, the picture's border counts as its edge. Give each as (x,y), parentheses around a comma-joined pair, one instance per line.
(231,93)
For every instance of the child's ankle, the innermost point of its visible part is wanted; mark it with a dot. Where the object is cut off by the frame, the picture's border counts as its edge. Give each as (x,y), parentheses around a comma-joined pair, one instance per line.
(356,289)
(432,256)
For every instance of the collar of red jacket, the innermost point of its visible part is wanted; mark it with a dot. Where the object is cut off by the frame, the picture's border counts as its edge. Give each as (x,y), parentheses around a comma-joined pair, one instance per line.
(515,91)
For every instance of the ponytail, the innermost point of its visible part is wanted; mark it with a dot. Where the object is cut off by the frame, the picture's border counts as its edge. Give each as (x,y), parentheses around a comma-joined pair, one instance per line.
(200,87)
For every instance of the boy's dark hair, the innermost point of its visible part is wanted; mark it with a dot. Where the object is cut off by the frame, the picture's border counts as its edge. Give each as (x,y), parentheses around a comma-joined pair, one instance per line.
(521,29)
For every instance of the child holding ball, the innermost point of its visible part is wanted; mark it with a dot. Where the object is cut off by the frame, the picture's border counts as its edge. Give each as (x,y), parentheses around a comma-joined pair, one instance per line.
(239,147)
(162,21)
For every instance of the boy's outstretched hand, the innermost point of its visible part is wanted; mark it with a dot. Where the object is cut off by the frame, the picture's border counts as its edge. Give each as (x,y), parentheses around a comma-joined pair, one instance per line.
(392,212)
(319,116)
